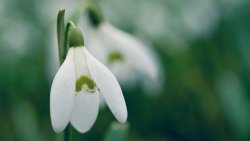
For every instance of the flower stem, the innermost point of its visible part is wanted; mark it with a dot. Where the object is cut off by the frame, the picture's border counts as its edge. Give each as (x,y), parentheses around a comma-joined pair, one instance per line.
(68,134)
(62,34)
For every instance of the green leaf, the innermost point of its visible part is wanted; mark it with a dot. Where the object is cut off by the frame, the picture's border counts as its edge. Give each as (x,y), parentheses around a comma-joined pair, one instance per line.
(61,35)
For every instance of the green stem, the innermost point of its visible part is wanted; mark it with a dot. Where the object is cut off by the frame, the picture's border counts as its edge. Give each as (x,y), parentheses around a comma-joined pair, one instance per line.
(62,38)
(68,134)
(68,26)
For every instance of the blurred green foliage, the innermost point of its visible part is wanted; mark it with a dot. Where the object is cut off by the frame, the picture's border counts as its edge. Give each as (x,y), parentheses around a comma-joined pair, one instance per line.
(116,132)
(203,46)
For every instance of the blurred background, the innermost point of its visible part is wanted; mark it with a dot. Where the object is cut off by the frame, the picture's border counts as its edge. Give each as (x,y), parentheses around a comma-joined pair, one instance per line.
(203,46)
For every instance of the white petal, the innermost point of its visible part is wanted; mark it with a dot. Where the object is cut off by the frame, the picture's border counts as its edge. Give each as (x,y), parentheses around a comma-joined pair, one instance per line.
(109,87)
(138,55)
(62,94)
(85,111)
(80,62)
(96,47)
(124,73)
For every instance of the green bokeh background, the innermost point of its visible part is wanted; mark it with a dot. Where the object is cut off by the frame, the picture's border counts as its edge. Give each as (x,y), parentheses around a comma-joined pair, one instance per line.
(203,47)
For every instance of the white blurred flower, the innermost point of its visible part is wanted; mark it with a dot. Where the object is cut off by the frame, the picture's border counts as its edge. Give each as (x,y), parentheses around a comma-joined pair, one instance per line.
(76,90)
(128,58)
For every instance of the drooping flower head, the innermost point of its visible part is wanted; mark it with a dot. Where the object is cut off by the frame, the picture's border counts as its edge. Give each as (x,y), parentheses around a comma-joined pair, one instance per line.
(77,87)
(128,58)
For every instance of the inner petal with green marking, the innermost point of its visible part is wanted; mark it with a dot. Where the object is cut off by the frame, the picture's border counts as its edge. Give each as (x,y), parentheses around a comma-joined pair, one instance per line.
(85,81)
(115,56)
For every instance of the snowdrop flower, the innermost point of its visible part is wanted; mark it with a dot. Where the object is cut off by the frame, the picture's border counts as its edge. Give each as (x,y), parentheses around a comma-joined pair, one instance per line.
(77,87)
(127,57)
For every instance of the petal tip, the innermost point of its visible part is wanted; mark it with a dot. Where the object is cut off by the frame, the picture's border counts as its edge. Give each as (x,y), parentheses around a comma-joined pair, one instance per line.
(82,131)
(122,117)
(57,128)
(85,112)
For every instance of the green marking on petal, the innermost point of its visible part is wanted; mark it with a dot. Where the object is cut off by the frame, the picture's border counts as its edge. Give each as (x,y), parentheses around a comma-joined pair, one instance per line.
(88,82)
(115,56)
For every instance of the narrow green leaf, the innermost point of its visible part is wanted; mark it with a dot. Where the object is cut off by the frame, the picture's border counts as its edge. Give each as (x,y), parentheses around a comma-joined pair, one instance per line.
(61,35)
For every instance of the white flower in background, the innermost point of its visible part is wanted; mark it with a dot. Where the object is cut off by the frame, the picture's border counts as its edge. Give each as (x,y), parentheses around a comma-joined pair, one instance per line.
(124,55)
(76,90)
(128,58)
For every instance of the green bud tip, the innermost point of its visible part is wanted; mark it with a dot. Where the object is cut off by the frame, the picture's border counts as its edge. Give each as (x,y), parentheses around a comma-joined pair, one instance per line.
(75,36)
(94,13)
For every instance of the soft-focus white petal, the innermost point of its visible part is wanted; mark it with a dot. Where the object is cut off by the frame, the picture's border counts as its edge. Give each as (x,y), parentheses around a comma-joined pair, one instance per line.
(85,111)
(124,73)
(96,47)
(109,87)
(135,52)
(62,94)
(86,26)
